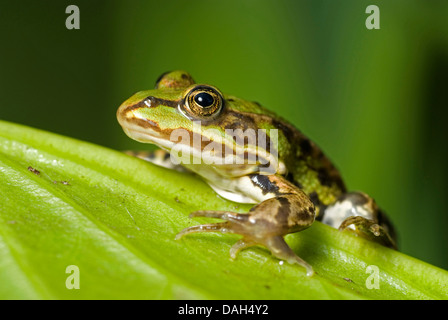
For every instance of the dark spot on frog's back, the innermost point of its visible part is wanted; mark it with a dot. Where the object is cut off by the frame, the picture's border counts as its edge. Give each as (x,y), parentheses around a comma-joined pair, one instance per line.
(288,130)
(324,177)
(314,198)
(305,146)
(290,177)
(328,176)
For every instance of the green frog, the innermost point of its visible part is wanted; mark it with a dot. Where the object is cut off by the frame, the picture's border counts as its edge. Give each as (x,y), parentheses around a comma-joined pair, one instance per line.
(248,154)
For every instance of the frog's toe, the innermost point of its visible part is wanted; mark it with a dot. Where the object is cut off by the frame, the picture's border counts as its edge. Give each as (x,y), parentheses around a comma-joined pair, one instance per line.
(278,248)
(224,215)
(234,224)
(254,231)
(356,222)
(282,251)
(368,229)
(240,245)
(211,227)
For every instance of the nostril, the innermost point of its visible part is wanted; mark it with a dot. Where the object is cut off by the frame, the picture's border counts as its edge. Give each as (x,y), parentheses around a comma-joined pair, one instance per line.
(149,101)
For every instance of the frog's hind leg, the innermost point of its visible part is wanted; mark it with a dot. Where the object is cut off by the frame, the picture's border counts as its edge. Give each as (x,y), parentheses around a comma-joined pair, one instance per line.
(158,157)
(288,211)
(254,231)
(358,213)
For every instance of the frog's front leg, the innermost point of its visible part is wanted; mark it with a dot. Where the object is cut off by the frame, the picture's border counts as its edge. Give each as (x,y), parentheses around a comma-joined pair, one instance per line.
(284,209)
(358,213)
(159,157)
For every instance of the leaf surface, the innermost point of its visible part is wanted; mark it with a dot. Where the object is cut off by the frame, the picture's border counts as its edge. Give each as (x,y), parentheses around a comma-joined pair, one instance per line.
(65,202)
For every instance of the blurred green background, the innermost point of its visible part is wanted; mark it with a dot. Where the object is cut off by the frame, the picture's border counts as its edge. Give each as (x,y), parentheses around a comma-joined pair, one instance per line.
(375,100)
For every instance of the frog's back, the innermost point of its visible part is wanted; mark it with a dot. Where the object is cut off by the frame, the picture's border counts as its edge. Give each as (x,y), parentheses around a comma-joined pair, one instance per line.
(307,166)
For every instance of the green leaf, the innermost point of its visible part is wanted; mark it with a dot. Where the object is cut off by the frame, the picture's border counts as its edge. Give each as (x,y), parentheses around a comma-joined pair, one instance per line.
(65,202)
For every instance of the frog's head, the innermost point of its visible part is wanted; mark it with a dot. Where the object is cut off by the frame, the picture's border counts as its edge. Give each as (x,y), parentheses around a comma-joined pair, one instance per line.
(230,134)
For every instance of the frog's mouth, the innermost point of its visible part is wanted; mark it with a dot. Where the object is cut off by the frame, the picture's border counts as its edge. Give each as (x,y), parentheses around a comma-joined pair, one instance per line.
(148,134)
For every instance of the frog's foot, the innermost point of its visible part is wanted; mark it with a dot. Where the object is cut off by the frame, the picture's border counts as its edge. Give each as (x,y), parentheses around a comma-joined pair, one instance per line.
(361,224)
(358,213)
(257,229)
(159,157)
(369,229)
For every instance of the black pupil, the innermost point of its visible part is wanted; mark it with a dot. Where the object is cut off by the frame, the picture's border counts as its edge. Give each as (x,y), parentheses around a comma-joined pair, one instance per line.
(204,99)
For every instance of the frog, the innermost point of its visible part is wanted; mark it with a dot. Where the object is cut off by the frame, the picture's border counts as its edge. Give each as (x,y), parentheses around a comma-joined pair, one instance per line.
(288,178)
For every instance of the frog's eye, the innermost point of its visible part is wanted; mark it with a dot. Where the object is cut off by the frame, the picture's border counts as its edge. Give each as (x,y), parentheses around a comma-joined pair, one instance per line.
(203,101)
